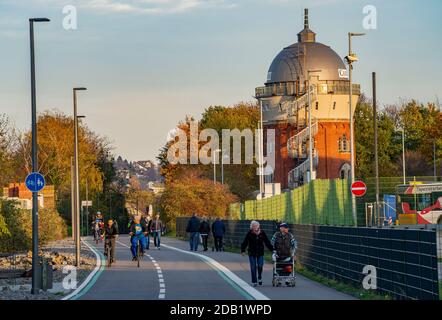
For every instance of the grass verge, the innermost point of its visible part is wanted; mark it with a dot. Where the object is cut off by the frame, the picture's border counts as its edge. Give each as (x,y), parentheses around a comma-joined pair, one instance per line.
(171,233)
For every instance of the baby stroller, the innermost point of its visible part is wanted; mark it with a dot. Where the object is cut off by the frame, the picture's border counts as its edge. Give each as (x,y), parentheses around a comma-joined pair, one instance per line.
(284,272)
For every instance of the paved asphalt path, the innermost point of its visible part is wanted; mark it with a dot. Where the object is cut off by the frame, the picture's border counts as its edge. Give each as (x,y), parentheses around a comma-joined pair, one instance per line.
(176,273)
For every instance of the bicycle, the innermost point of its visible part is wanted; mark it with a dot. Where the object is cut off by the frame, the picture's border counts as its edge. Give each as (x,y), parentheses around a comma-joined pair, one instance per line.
(139,252)
(99,236)
(108,253)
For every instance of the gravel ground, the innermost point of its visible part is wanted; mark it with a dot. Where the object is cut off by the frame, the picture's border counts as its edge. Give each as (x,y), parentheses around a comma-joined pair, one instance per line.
(61,253)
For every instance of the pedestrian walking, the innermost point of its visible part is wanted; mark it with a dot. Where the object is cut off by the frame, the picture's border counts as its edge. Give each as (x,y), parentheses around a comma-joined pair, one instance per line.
(218,231)
(193,228)
(204,232)
(254,242)
(156,227)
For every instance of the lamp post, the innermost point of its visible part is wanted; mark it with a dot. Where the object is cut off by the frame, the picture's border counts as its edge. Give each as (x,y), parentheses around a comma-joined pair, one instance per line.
(72,200)
(434,160)
(222,167)
(76,180)
(350,59)
(79,199)
(214,164)
(402,130)
(310,135)
(375,129)
(35,262)
(261,152)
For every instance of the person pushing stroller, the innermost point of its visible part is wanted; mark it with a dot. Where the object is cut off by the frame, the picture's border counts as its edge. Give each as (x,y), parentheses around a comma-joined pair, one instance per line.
(284,255)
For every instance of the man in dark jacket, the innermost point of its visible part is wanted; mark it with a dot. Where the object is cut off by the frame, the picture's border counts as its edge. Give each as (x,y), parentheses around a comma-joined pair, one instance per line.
(110,236)
(255,241)
(284,243)
(193,227)
(155,227)
(218,230)
(204,232)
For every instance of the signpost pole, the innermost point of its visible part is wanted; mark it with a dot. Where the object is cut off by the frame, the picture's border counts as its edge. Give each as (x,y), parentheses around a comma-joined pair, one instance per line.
(376,162)
(35,288)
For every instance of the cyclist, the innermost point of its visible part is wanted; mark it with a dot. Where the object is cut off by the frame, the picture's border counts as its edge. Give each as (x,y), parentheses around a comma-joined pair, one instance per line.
(98,226)
(145,222)
(110,236)
(137,233)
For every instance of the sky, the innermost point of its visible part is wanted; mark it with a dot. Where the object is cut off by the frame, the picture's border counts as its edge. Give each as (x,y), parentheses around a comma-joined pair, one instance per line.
(149,63)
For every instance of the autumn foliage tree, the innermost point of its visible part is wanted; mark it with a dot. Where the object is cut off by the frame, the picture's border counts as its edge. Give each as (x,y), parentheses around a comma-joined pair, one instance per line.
(193,194)
(241,178)
(422,124)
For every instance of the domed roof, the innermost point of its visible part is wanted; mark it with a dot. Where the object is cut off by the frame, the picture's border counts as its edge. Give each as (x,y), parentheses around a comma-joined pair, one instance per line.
(293,62)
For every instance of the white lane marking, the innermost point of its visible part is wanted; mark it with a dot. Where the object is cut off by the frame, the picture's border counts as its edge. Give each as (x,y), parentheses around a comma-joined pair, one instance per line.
(233,277)
(162,294)
(90,276)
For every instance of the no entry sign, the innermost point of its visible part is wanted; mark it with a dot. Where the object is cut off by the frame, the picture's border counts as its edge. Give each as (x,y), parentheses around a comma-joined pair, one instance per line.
(358,188)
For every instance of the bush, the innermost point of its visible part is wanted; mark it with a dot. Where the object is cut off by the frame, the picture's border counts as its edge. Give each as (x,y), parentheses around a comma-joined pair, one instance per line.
(17,230)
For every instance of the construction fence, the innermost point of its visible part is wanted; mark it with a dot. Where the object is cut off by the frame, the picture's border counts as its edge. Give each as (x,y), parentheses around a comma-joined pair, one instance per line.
(327,202)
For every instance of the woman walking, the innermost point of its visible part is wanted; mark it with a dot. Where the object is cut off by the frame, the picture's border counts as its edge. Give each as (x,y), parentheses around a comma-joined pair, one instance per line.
(255,241)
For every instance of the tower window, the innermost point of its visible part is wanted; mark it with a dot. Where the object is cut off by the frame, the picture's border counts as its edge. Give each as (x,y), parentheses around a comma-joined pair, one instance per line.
(334,105)
(317,105)
(344,172)
(343,144)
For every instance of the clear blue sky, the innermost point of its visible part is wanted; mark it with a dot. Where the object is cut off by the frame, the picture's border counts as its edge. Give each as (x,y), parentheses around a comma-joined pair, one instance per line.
(148,63)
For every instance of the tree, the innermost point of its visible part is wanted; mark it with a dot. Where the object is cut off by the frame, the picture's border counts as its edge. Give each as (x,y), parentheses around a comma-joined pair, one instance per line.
(388,147)
(8,143)
(192,194)
(241,178)
(423,131)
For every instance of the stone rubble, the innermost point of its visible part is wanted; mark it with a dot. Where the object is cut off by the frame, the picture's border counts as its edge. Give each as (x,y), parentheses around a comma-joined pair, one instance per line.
(15,271)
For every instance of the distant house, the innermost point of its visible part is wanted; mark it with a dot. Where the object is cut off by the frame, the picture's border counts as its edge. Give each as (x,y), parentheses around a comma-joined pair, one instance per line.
(21,194)
(156,187)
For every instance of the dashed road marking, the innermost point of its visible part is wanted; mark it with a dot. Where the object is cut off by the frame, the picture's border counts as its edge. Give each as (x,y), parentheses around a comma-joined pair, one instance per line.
(162,293)
(239,284)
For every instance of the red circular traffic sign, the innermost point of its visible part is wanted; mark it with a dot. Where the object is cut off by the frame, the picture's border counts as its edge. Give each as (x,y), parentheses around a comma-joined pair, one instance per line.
(358,188)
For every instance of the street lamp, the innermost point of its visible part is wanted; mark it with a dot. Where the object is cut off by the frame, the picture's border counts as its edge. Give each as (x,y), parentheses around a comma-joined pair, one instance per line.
(261,152)
(350,59)
(35,262)
(434,161)
(76,180)
(214,164)
(403,153)
(310,135)
(79,199)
